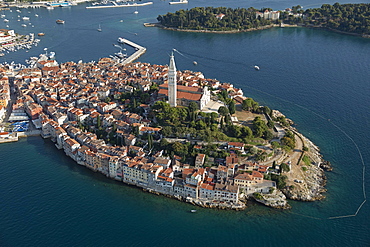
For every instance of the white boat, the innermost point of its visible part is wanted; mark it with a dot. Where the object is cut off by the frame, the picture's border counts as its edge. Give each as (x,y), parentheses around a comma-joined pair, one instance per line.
(99,28)
(136,12)
(36,15)
(24,25)
(6,20)
(120,55)
(193,211)
(195,62)
(256,67)
(25,18)
(179,2)
(2,16)
(121,40)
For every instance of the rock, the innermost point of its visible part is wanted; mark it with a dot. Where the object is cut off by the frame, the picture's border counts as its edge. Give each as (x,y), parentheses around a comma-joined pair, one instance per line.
(326,165)
(275,200)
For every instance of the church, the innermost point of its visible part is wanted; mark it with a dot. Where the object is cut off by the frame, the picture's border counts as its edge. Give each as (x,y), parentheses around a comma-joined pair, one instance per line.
(182,95)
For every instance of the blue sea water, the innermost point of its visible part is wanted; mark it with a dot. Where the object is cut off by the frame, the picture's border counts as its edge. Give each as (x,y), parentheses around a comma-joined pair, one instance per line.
(317,78)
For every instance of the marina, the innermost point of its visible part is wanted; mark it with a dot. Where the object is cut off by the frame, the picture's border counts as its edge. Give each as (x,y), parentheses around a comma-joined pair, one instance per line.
(139,50)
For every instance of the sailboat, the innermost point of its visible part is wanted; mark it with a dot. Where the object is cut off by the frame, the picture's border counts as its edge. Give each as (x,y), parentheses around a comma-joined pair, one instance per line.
(136,12)
(99,28)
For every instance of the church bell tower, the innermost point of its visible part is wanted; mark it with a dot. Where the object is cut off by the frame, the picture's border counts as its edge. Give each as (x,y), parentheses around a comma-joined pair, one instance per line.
(172,83)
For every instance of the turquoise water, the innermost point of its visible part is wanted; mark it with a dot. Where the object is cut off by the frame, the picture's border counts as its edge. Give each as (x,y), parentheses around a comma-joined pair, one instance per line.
(317,78)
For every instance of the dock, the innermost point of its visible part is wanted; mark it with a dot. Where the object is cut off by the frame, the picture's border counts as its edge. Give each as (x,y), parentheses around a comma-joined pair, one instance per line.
(119,6)
(139,51)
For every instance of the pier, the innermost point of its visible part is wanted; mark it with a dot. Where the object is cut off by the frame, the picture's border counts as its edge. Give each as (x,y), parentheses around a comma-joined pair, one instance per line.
(139,51)
(119,6)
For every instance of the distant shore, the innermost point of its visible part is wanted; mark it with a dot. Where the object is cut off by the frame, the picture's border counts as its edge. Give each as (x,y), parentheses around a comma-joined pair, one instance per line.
(251,29)
(212,31)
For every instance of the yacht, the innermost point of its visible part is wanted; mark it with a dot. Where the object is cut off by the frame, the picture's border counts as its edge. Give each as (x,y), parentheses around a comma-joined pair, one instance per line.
(25,18)
(120,55)
(256,67)
(121,40)
(60,21)
(179,2)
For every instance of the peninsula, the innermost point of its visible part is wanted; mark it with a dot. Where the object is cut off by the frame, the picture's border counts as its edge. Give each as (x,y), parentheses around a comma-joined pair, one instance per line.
(169,132)
(345,18)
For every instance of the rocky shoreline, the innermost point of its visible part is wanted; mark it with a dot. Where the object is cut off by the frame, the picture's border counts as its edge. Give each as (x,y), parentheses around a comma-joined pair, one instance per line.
(253,29)
(210,31)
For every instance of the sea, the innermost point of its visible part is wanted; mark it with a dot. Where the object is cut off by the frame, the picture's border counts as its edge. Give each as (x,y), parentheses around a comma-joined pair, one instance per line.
(317,78)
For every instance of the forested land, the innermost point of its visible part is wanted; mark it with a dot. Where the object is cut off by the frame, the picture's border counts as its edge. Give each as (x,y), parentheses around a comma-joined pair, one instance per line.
(352,18)
(200,18)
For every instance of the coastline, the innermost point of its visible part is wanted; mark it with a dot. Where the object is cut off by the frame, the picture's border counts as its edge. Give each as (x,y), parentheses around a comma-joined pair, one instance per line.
(219,32)
(254,29)
(66,135)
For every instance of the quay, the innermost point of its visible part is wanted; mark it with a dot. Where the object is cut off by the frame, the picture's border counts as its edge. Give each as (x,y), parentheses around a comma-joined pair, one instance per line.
(139,51)
(120,6)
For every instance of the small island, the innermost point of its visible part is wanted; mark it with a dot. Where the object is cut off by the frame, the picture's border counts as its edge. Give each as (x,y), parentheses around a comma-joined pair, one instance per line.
(347,18)
(169,132)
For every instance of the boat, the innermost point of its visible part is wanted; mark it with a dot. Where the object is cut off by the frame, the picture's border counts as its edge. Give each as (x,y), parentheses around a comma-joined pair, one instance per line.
(40,34)
(24,25)
(179,2)
(36,15)
(59,21)
(193,211)
(121,21)
(136,12)
(195,62)
(121,40)
(25,18)
(256,67)
(2,54)
(120,55)
(99,28)
(6,20)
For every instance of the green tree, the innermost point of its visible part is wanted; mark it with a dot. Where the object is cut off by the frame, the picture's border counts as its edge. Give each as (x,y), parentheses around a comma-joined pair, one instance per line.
(193,106)
(232,107)
(223,111)
(284,167)
(150,141)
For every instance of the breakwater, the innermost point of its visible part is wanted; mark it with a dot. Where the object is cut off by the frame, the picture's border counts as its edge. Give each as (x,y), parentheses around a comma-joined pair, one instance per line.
(119,5)
(139,51)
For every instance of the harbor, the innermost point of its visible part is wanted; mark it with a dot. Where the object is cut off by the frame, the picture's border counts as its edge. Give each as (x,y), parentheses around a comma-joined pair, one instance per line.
(139,50)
